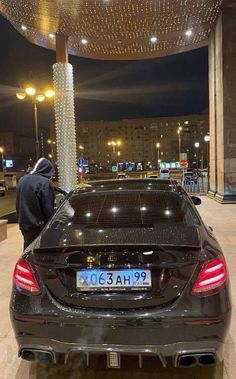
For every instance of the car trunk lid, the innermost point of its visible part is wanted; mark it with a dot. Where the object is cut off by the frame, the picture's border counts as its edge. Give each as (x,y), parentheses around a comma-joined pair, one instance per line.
(169,265)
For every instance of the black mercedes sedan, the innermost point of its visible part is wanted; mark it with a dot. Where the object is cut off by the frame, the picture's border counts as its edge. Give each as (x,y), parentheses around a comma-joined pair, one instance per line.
(123,267)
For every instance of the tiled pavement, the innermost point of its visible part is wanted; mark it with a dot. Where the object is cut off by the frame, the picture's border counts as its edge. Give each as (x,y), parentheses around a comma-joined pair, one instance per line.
(221,217)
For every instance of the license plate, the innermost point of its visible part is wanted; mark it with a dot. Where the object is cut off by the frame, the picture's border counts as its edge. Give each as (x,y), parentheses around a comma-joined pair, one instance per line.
(92,280)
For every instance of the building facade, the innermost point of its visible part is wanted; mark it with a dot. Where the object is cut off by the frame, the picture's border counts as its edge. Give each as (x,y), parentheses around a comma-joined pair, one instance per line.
(136,140)
(17,150)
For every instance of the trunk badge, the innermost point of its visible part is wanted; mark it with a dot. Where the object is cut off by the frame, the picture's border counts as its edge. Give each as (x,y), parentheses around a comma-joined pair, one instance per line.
(112,258)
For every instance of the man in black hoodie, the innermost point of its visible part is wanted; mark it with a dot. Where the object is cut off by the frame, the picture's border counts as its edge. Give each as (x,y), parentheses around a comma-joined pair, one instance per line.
(35,200)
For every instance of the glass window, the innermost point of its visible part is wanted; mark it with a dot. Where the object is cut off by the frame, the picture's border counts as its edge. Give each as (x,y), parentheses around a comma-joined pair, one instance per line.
(126,209)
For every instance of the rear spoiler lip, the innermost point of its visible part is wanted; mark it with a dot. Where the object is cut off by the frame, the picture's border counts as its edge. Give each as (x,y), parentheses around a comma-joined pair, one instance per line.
(73,248)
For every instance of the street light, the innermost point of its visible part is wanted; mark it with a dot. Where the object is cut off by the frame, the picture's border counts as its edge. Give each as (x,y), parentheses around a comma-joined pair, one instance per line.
(1,151)
(51,143)
(179,131)
(197,144)
(113,144)
(37,97)
(158,153)
(81,148)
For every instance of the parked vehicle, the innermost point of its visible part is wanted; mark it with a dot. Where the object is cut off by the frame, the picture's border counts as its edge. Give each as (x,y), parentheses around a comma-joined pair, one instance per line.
(204,172)
(122,175)
(123,269)
(152,176)
(2,189)
(164,173)
(189,177)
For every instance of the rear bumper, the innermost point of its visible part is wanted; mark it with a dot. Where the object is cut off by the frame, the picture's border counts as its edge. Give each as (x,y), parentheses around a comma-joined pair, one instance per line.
(166,338)
(87,352)
(193,329)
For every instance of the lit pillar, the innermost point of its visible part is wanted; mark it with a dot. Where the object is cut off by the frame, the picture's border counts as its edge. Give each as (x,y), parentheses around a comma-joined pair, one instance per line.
(222,90)
(64,116)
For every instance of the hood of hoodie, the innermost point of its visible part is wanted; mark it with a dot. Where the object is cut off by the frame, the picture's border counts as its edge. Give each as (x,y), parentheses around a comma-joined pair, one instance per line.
(43,167)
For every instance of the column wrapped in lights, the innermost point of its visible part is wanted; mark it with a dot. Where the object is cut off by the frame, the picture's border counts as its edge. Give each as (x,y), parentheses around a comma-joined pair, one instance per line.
(65,125)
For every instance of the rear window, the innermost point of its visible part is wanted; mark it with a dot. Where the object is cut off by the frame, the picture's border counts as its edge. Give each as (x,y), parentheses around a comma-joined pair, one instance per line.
(124,209)
(165,171)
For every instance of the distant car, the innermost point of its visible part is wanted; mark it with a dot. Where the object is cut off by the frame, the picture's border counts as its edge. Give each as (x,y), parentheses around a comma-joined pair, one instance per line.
(118,270)
(189,177)
(152,176)
(164,173)
(2,189)
(204,173)
(122,175)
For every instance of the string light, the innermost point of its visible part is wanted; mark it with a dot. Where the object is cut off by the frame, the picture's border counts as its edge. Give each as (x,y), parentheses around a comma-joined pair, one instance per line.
(65,125)
(137,22)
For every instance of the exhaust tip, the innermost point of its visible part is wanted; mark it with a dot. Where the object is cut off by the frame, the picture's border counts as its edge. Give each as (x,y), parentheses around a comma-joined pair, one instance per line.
(187,361)
(45,357)
(196,359)
(27,355)
(207,360)
(39,355)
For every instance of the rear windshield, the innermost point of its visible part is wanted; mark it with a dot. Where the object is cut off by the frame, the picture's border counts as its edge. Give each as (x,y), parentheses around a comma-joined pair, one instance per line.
(125,217)
(126,209)
(164,171)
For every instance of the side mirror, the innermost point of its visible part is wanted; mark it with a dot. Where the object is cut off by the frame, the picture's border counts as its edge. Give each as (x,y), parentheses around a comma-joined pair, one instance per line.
(196,200)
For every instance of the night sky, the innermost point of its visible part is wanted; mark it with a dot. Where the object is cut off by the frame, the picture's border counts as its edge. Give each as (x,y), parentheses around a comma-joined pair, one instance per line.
(104,90)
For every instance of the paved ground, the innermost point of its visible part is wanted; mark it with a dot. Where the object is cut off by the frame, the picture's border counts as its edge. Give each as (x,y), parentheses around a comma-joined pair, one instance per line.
(221,217)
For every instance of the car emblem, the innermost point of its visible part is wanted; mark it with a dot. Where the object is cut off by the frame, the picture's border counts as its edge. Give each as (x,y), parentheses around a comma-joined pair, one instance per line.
(112,258)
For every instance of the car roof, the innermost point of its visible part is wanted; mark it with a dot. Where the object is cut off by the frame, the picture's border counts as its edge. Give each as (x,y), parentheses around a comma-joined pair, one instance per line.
(129,184)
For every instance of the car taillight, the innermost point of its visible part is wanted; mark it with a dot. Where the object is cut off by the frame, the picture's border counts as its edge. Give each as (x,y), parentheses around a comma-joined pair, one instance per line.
(24,278)
(212,276)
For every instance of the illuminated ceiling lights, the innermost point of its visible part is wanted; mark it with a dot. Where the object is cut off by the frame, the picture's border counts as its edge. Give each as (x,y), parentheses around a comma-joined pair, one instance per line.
(173,34)
(188,33)
(51,35)
(23,27)
(84,41)
(153,39)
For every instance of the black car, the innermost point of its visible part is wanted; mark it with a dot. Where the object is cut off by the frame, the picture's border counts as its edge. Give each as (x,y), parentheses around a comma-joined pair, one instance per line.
(123,267)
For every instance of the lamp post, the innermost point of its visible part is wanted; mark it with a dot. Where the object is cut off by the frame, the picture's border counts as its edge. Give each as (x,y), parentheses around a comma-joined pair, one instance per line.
(207,140)
(37,97)
(81,162)
(179,131)
(81,150)
(197,144)
(51,143)
(113,145)
(158,154)
(3,168)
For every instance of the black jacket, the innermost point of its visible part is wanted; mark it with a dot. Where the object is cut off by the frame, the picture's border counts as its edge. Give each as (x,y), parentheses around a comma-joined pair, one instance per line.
(35,196)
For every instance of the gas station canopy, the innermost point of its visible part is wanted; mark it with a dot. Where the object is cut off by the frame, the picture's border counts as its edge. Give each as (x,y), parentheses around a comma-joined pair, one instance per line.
(115,29)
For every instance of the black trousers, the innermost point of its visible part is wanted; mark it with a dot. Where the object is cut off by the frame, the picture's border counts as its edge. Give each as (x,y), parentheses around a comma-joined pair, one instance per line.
(30,235)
